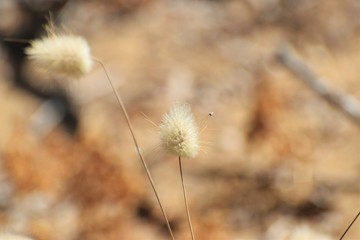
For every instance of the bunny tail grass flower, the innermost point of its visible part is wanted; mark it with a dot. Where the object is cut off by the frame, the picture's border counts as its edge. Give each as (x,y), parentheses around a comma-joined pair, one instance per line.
(179,134)
(61,55)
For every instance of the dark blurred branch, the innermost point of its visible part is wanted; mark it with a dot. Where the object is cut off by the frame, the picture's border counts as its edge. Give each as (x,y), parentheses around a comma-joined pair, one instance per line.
(346,104)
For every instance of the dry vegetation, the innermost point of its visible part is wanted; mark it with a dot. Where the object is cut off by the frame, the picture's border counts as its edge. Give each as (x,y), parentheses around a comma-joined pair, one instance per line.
(280,163)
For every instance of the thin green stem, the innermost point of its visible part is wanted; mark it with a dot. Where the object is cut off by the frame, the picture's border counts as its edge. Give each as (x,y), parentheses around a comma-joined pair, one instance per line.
(186,202)
(122,106)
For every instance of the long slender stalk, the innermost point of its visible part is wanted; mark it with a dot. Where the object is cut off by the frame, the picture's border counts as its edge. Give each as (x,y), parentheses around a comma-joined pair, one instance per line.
(122,106)
(350,226)
(186,202)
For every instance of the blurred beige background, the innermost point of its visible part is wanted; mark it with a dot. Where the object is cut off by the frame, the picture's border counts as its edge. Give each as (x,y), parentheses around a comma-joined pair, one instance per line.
(278,162)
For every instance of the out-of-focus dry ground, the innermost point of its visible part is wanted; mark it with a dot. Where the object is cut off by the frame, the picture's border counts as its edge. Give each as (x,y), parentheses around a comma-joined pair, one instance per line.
(278,162)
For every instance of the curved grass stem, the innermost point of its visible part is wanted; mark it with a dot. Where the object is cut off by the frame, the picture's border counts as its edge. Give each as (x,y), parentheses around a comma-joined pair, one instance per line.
(353,221)
(185,199)
(123,109)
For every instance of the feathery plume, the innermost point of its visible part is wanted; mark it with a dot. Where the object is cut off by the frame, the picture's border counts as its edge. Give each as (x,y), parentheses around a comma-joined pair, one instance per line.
(61,55)
(178,132)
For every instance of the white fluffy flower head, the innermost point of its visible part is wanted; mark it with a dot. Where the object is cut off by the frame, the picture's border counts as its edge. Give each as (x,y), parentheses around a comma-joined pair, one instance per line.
(61,55)
(178,132)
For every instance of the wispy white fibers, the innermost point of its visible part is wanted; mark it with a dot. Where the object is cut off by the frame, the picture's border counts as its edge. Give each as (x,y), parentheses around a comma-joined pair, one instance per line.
(179,134)
(61,55)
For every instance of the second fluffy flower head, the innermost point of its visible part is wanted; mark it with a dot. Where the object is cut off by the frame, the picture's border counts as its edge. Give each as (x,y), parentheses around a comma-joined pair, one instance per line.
(61,55)
(178,132)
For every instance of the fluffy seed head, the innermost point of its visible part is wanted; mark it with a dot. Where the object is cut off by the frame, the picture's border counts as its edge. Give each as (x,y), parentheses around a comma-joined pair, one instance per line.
(61,55)
(178,132)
